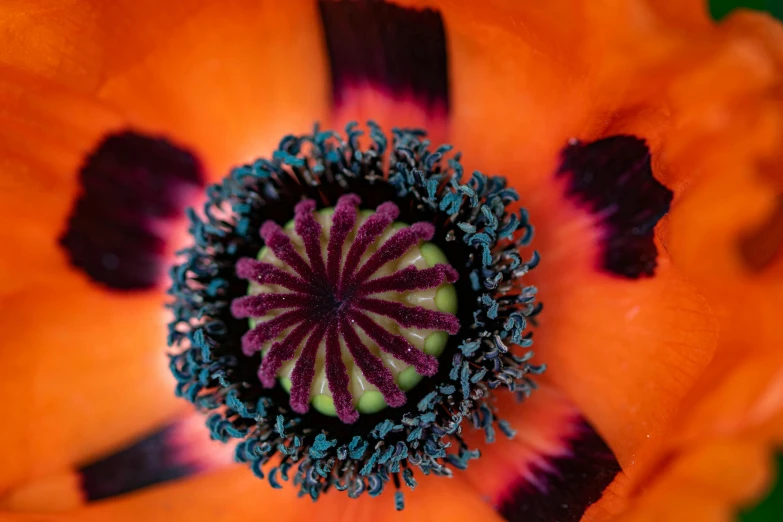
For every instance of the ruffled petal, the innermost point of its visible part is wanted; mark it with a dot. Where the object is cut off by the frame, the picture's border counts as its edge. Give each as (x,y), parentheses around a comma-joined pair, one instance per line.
(726,469)
(45,133)
(77,44)
(230,80)
(624,350)
(87,370)
(709,483)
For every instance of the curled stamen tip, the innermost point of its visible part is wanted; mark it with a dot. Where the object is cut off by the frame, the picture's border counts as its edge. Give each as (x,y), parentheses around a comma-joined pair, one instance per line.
(388,209)
(424,230)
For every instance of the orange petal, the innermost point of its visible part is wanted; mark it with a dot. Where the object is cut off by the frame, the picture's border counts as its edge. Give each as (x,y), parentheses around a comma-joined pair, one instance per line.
(625,351)
(710,480)
(180,449)
(87,371)
(77,44)
(45,132)
(542,423)
(237,493)
(719,461)
(230,80)
(554,466)
(707,484)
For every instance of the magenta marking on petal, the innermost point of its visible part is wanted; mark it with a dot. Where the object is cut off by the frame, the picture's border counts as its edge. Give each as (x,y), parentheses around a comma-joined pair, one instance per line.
(282,351)
(266,274)
(367,234)
(310,231)
(409,278)
(372,367)
(304,371)
(392,249)
(258,305)
(343,221)
(396,345)
(279,242)
(337,377)
(410,316)
(254,340)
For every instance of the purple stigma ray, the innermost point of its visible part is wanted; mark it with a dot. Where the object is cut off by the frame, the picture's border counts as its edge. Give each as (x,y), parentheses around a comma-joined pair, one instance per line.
(304,371)
(258,305)
(397,346)
(409,278)
(393,249)
(279,242)
(343,222)
(310,231)
(266,331)
(367,234)
(371,366)
(282,351)
(337,377)
(410,316)
(327,299)
(266,274)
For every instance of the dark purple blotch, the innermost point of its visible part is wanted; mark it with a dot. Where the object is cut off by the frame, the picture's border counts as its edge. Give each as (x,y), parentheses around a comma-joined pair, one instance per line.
(397,50)
(157,458)
(133,187)
(567,486)
(613,179)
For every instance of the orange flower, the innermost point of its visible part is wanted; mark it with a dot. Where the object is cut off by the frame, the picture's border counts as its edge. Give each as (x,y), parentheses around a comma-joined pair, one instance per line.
(644,142)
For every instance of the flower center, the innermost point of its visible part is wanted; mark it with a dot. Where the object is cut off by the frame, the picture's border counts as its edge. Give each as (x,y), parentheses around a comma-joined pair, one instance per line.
(345,305)
(348,308)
